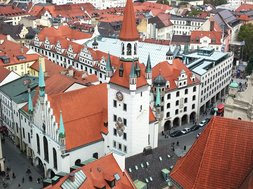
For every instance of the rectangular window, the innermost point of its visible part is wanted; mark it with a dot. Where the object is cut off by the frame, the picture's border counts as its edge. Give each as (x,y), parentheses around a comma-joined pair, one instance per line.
(176,112)
(23,132)
(114,132)
(114,118)
(125,121)
(114,144)
(125,149)
(120,146)
(125,107)
(125,136)
(115,103)
(29,138)
(193,106)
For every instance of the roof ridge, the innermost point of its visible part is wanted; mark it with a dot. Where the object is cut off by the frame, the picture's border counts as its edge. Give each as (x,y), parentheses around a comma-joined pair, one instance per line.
(205,149)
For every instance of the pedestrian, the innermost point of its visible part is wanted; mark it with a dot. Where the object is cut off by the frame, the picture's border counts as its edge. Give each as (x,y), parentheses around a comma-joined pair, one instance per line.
(184,147)
(19,185)
(38,180)
(30,178)
(13,175)
(23,180)
(177,143)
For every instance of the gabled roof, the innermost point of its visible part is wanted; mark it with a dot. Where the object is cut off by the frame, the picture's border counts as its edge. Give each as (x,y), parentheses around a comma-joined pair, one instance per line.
(3,73)
(244,7)
(213,35)
(220,158)
(162,20)
(97,172)
(84,112)
(171,72)
(124,80)
(129,30)
(10,10)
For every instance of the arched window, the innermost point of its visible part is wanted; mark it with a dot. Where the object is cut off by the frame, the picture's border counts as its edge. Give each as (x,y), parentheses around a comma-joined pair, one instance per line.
(129,49)
(45,148)
(38,143)
(135,48)
(123,49)
(55,158)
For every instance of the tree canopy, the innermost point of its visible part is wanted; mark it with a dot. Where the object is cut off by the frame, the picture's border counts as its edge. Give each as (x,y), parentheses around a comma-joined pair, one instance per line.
(249,66)
(246,35)
(215,2)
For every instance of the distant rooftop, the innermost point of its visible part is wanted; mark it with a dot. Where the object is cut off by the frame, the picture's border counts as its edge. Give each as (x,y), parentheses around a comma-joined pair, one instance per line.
(157,52)
(204,58)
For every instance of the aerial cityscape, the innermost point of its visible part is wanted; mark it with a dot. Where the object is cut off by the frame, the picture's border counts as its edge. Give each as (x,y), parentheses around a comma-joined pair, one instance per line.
(124,94)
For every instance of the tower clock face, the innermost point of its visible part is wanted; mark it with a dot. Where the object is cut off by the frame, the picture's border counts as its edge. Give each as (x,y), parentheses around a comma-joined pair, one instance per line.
(119,96)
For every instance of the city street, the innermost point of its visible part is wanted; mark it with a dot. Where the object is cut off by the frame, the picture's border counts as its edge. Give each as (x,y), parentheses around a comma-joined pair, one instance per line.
(18,164)
(184,140)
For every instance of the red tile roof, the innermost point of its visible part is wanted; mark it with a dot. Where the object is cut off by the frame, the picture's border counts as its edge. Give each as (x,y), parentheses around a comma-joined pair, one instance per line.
(128,30)
(244,7)
(171,72)
(83,115)
(98,172)
(64,32)
(10,10)
(3,73)
(213,35)
(124,80)
(220,158)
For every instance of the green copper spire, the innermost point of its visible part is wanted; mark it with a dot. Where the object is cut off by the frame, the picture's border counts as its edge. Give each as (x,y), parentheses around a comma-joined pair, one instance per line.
(108,63)
(41,81)
(158,97)
(186,49)
(61,130)
(30,103)
(148,66)
(133,71)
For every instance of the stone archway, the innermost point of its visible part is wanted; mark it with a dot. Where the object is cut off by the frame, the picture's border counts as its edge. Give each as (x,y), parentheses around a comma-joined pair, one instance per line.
(39,165)
(167,125)
(50,173)
(193,117)
(184,119)
(176,122)
(78,162)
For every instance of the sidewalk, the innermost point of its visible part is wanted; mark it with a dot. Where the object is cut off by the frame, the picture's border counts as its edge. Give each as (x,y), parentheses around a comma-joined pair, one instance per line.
(18,163)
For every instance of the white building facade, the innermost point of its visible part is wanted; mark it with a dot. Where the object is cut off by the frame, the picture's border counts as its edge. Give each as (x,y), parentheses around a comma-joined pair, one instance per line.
(214,70)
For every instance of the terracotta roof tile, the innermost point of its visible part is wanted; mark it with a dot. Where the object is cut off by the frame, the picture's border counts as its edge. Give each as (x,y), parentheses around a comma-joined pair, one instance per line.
(97,172)
(124,80)
(171,72)
(220,158)
(213,35)
(128,30)
(10,10)
(4,73)
(78,119)
(244,7)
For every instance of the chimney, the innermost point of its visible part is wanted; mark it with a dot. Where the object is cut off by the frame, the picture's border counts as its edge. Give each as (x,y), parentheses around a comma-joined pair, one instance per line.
(84,75)
(72,177)
(42,62)
(22,49)
(70,73)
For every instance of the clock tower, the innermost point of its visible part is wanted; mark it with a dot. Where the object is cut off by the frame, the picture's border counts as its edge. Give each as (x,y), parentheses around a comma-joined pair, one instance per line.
(128,94)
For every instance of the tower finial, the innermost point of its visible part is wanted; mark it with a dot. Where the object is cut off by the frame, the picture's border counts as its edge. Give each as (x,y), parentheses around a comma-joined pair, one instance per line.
(61,129)
(41,82)
(30,103)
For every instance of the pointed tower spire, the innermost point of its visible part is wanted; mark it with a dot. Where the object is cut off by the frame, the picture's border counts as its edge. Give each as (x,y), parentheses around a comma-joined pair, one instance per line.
(148,66)
(128,30)
(61,129)
(109,70)
(137,70)
(133,71)
(30,103)
(41,82)
(158,97)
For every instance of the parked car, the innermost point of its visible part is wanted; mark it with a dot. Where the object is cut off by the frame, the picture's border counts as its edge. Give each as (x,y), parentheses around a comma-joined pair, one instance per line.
(194,127)
(204,122)
(186,130)
(176,133)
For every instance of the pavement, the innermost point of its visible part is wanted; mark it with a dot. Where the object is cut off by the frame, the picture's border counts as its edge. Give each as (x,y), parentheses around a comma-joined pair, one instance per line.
(186,140)
(18,163)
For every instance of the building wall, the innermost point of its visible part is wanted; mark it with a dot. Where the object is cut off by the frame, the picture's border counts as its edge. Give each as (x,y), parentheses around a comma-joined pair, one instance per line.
(215,80)
(136,116)
(21,68)
(182,27)
(12,76)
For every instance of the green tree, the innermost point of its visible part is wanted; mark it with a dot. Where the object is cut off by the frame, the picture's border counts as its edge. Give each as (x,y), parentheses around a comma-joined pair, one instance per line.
(165,2)
(246,35)
(215,2)
(249,66)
